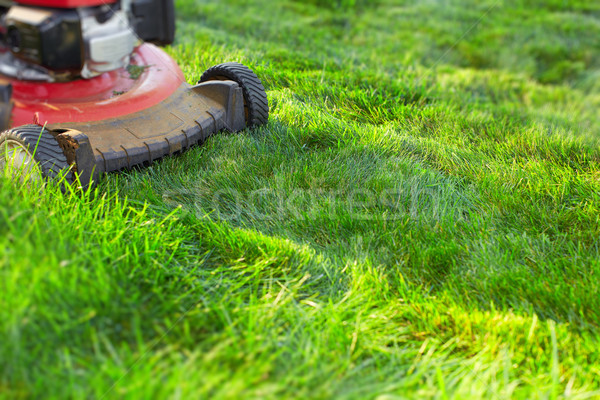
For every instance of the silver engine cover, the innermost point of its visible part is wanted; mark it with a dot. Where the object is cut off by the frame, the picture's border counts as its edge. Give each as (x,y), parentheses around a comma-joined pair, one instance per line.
(109,44)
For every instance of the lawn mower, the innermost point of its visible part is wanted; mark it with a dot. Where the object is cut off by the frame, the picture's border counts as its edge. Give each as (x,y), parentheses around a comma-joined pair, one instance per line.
(85,89)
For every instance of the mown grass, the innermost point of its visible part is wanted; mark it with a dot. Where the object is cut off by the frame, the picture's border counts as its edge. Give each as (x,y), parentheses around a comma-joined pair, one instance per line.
(419,219)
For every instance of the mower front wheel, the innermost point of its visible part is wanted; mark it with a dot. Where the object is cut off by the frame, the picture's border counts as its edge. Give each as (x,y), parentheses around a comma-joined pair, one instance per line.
(256,105)
(33,152)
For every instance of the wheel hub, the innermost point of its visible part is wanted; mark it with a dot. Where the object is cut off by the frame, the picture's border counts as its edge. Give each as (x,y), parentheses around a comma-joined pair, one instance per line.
(16,159)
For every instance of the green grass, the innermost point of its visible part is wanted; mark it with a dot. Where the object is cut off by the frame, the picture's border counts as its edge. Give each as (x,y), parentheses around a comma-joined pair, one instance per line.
(419,219)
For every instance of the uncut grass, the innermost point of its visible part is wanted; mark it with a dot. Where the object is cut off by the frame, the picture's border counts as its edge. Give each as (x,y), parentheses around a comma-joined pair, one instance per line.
(394,230)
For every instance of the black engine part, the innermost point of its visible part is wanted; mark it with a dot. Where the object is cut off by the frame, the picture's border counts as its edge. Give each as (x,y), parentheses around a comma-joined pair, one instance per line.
(48,37)
(154,20)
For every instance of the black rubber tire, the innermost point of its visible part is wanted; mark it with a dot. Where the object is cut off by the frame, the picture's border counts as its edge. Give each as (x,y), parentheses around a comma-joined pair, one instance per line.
(255,98)
(44,148)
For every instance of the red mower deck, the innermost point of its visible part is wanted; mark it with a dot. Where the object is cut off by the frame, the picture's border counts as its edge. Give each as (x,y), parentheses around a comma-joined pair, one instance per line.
(159,114)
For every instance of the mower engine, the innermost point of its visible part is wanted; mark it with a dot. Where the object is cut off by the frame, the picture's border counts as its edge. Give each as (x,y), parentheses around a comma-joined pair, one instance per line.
(63,40)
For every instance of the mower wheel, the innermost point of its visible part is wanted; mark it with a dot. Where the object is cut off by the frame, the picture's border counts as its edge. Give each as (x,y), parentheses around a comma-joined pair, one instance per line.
(256,104)
(33,150)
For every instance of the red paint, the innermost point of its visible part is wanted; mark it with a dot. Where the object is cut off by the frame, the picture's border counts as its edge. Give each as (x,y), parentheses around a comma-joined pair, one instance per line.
(98,99)
(65,3)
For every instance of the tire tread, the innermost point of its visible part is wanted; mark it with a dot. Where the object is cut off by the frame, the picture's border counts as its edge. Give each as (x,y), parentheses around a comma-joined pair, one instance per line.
(45,149)
(255,96)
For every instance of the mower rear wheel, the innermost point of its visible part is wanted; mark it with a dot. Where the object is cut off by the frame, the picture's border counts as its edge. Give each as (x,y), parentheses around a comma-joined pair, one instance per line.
(32,151)
(256,104)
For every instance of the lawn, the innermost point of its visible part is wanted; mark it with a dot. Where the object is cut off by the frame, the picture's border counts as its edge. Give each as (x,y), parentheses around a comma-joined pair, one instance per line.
(419,219)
